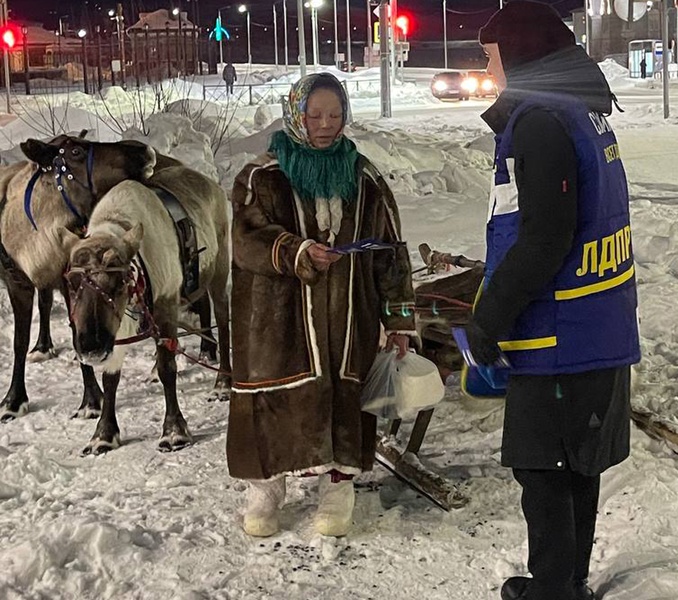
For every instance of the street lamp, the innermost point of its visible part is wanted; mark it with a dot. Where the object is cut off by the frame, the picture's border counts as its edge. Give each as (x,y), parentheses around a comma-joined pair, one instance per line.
(119,19)
(243,9)
(314,5)
(445,30)
(82,34)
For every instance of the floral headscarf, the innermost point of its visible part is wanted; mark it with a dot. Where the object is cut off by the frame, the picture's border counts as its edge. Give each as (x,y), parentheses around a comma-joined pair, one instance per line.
(315,172)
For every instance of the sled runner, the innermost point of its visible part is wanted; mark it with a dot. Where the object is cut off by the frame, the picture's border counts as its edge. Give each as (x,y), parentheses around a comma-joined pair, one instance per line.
(440,305)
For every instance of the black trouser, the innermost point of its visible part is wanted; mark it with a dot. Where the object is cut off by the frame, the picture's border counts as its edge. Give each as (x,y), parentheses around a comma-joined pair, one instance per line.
(560,508)
(229,87)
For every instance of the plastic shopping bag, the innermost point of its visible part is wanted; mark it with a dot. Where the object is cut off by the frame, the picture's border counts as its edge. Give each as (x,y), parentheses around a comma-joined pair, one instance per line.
(378,395)
(400,388)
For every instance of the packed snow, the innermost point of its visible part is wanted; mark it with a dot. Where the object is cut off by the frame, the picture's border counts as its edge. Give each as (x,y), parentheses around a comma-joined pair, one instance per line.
(140,524)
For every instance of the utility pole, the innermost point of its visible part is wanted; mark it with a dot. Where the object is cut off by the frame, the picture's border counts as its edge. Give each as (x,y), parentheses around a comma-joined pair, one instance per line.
(384,59)
(369,35)
(287,59)
(5,58)
(275,33)
(394,40)
(336,38)
(445,30)
(301,37)
(665,56)
(348,36)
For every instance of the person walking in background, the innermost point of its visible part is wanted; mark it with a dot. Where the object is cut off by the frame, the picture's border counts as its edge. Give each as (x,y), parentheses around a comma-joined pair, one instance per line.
(559,295)
(229,76)
(643,68)
(306,321)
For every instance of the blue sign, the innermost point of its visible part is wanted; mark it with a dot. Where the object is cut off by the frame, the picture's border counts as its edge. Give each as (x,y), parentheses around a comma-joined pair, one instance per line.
(219,32)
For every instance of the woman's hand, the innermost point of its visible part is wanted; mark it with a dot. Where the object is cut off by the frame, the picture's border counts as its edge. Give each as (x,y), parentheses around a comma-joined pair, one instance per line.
(399,341)
(320,257)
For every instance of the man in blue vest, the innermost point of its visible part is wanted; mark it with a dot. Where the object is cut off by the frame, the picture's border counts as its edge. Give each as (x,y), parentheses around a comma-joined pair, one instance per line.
(559,296)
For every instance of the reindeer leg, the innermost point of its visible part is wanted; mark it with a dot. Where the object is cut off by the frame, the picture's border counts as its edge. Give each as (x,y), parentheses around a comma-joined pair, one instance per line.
(92,396)
(107,433)
(44,347)
(219,295)
(15,402)
(175,432)
(208,345)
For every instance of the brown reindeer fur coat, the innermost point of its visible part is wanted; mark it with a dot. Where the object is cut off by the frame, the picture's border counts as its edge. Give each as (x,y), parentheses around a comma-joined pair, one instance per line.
(303,341)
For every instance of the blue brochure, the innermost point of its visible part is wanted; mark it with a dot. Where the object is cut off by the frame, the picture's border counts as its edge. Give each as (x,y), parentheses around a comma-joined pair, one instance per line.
(364,246)
(481,380)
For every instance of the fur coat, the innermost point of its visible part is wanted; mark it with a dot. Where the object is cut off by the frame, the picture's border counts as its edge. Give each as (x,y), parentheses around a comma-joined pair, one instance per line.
(303,341)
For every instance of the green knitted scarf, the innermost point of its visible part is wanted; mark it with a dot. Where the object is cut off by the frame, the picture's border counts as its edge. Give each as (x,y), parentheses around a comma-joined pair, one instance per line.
(318,173)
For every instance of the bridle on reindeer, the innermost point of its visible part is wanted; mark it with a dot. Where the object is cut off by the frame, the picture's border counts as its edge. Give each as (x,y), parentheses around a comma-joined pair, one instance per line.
(61,170)
(138,293)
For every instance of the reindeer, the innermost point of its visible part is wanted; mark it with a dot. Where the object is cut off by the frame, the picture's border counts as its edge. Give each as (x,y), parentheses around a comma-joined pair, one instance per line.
(31,256)
(58,188)
(131,246)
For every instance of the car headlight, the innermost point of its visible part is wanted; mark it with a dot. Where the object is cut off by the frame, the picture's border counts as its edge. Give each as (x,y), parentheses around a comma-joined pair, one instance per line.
(470,84)
(488,85)
(439,85)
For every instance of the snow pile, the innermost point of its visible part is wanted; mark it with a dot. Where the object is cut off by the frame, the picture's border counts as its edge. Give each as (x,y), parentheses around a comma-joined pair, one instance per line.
(616,75)
(175,136)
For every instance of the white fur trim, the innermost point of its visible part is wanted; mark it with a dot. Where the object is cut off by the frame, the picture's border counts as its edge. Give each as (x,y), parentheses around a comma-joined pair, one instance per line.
(349,314)
(250,191)
(305,244)
(273,388)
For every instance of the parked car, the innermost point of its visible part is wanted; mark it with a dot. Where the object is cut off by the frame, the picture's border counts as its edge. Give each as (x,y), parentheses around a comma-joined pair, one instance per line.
(457,84)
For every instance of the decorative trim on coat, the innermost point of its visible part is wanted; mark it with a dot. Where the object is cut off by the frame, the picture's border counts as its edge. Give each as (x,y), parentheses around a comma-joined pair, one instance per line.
(250,191)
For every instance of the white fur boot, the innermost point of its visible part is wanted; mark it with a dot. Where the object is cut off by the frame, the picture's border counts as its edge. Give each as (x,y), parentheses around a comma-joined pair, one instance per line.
(335,507)
(264,499)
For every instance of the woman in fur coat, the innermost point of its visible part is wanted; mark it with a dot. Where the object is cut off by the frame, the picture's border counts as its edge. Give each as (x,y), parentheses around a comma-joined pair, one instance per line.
(307,322)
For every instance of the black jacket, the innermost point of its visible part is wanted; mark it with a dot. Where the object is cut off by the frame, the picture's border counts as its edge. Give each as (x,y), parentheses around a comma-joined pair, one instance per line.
(552,422)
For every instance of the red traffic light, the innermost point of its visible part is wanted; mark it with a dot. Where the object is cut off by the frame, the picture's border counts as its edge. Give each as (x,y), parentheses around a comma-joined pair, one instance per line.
(9,36)
(403,23)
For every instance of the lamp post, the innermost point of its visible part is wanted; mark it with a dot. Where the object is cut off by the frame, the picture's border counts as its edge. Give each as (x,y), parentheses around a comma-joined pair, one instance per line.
(445,31)
(287,58)
(348,36)
(275,34)
(82,34)
(243,9)
(302,37)
(314,5)
(369,34)
(336,37)
(117,16)
(24,43)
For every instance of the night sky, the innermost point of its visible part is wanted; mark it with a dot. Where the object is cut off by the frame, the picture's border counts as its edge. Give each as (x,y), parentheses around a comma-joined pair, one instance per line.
(464,16)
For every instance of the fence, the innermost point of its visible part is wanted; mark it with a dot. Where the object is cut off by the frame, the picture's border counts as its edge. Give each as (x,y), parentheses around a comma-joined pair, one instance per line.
(276,93)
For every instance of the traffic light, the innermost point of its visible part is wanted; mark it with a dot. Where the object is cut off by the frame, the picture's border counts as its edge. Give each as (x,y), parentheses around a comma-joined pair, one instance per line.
(9,37)
(403,23)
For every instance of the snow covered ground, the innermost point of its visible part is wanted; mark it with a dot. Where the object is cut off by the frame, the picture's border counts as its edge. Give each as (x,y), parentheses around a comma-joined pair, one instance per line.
(139,524)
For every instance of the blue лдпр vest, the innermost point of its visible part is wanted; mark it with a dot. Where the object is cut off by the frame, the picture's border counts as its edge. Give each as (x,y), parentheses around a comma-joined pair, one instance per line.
(586,318)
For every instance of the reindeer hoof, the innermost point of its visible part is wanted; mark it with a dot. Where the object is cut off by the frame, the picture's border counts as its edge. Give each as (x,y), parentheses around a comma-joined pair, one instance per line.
(98,446)
(208,357)
(37,355)
(86,413)
(7,414)
(174,442)
(219,395)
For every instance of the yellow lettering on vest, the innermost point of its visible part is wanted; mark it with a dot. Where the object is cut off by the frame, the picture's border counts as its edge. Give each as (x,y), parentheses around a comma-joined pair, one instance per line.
(620,246)
(612,153)
(608,259)
(627,240)
(590,249)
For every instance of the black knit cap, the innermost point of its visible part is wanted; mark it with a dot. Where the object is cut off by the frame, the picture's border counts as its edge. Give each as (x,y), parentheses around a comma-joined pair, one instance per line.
(526,31)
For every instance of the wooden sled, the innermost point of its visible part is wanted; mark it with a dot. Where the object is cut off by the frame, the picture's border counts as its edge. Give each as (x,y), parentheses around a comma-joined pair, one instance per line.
(440,305)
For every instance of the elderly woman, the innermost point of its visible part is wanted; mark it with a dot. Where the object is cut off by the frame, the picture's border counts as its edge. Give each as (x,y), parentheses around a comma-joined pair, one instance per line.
(307,321)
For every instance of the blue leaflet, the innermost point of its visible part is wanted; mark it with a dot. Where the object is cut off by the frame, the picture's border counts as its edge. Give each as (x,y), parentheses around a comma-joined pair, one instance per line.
(496,376)
(364,246)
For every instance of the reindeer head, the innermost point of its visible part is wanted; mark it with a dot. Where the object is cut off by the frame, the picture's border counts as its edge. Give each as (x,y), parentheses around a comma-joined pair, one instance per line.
(87,170)
(98,280)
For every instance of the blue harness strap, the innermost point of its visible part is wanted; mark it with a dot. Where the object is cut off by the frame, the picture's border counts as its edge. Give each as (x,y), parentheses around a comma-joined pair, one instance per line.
(28,194)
